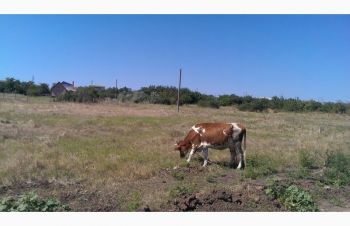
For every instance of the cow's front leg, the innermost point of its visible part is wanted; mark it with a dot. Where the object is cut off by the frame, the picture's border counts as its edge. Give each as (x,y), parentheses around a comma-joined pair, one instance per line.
(190,155)
(205,156)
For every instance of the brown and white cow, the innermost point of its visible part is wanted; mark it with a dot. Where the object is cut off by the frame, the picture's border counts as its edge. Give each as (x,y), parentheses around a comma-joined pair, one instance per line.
(217,136)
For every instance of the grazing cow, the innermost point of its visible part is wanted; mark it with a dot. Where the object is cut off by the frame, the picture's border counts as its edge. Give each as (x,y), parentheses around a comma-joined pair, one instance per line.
(217,136)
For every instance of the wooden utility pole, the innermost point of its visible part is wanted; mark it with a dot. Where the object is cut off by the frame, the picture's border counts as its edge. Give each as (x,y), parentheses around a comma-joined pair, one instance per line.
(116,88)
(178,93)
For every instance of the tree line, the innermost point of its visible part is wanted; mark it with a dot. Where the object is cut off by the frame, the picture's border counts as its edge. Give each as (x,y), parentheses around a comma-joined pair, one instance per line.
(11,85)
(168,95)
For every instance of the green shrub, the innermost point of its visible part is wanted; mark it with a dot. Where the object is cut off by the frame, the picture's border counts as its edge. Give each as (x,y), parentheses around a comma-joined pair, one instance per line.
(292,197)
(227,100)
(337,170)
(276,102)
(139,97)
(306,160)
(312,106)
(189,97)
(209,101)
(256,105)
(30,202)
(295,105)
(296,199)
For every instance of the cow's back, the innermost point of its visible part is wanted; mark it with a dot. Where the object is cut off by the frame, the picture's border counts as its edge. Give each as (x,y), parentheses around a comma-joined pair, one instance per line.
(214,133)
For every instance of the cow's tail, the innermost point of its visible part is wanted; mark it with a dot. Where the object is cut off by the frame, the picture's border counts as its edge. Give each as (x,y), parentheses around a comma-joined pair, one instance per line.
(244,134)
(244,145)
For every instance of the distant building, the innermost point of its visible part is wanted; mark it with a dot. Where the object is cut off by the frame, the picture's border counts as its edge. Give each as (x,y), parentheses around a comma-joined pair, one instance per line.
(61,88)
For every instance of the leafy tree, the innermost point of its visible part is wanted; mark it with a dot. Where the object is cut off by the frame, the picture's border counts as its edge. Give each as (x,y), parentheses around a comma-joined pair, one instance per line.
(312,105)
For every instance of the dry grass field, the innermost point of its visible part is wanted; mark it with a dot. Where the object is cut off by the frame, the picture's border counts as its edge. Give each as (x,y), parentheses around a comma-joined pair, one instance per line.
(120,157)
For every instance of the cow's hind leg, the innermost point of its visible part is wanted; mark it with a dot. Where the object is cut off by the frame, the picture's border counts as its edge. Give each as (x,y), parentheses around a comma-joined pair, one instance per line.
(233,160)
(240,153)
(205,156)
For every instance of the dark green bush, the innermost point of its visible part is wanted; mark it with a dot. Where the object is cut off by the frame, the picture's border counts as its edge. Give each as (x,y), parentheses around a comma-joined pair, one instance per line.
(189,97)
(295,105)
(82,95)
(312,106)
(296,199)
(228,100)
(276,103)
(256,105)
(291,196)
(339,108)
(208,101)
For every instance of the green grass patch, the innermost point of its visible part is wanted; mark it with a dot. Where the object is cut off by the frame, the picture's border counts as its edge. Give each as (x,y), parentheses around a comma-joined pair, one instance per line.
(134,202)
(180,189)
(211,178)
(307,162)
(259,166)
(178,175)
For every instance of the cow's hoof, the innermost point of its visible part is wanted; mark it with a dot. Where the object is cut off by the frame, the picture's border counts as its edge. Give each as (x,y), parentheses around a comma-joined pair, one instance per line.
(233,166)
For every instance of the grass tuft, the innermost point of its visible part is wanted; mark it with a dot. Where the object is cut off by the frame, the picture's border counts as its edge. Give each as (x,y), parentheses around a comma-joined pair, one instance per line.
(337,171)
(259,165)
(180,189)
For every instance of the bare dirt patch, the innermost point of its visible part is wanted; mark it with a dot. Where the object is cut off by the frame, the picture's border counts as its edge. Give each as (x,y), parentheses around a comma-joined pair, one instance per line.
(243,198)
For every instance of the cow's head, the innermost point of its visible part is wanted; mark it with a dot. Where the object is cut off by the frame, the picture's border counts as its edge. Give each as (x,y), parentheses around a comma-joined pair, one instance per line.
(183,147)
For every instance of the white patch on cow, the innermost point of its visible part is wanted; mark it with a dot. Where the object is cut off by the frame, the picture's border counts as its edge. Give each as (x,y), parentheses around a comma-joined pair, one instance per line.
(235,126)
(196,129)
(236,129)
(224,132)
(239,165)
(203,130)
(205,144)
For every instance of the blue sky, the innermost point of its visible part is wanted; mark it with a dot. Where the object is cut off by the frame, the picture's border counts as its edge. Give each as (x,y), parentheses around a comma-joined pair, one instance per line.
(305,56)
